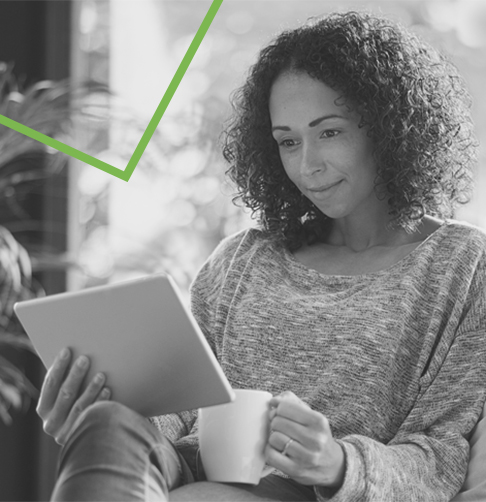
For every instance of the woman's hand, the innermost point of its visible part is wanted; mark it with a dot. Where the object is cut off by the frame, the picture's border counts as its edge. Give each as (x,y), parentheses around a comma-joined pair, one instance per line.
(61,400)
(301,443)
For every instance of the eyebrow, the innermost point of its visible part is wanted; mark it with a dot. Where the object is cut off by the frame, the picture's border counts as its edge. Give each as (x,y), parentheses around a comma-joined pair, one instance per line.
(313,123)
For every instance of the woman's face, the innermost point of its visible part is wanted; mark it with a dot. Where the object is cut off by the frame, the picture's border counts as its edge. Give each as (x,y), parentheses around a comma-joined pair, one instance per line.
(323,151)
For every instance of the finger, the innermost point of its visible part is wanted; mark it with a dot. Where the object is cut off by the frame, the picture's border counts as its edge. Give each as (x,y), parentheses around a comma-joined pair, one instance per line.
(63,434)
(278,441)
(297,411)
(285,427)
(283,396)
(272,412)
(104,395)
(52,382)
(310,437)
(91,394)
(68,393)
(284,463)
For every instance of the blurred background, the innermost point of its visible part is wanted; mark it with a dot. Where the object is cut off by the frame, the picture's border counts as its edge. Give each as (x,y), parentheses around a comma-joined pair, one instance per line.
(82,227)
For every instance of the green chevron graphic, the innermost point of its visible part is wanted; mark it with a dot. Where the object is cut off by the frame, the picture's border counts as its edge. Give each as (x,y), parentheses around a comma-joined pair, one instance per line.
(152,126)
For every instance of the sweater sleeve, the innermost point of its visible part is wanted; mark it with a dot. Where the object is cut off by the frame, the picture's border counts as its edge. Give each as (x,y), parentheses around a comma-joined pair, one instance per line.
(175,425)
(427,459)
(205,290)
(208,302)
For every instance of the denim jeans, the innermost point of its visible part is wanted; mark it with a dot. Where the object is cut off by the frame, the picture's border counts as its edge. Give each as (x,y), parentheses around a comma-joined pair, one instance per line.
(115,454)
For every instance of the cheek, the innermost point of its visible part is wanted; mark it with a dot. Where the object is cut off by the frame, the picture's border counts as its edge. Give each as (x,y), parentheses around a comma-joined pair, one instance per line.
(291,167)
(368,159)
(369,171)
(363,168)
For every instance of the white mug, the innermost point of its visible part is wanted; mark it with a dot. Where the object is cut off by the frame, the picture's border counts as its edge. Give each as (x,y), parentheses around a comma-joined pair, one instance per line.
(232,438)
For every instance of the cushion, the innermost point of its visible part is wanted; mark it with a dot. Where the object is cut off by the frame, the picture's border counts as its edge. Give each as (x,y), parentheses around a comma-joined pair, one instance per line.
(474,488)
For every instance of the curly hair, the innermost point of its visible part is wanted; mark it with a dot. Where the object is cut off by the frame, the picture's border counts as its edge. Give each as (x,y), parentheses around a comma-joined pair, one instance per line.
(410,97)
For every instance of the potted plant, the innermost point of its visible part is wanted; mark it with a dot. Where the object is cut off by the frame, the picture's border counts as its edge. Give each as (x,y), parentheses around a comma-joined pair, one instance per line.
(24,164)
(15,389)
(77,115)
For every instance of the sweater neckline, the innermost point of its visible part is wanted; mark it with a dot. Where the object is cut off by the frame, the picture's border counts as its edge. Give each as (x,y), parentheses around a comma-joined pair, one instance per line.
(384,271)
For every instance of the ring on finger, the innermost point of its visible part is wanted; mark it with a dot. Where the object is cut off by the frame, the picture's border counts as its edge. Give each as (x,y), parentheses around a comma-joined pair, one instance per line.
(286,447)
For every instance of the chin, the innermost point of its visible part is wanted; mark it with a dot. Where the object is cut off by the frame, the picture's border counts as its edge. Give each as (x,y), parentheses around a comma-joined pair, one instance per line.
(333,213)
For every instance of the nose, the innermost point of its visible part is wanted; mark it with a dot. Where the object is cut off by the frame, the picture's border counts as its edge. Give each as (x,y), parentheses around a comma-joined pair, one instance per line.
(311,161)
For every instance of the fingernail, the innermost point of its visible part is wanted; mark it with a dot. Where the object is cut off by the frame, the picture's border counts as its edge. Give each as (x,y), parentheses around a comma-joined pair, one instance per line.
(99,378)
(105,393)
(64,353)
(82,361)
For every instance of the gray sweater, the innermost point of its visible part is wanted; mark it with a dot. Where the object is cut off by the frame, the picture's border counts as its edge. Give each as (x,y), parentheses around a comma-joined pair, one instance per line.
(395,359)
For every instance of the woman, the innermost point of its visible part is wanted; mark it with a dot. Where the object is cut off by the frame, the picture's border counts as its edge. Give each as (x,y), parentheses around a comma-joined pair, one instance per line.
(358,303)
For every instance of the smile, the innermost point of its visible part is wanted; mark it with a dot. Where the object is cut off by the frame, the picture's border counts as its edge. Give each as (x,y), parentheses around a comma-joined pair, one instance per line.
(324,188)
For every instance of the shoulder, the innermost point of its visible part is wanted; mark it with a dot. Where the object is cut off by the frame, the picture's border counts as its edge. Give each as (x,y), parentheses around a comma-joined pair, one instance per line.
(231,255)
(469,262)
(241,241)
(239,246)
(465,239)
(452,258)
(462,251)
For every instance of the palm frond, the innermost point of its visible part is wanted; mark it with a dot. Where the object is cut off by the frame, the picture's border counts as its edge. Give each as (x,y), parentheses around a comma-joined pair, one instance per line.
(10,374)
(19,341)
(49,107)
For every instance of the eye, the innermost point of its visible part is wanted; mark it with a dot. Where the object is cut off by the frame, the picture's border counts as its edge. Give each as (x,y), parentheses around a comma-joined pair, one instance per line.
(329,133)
(287,143)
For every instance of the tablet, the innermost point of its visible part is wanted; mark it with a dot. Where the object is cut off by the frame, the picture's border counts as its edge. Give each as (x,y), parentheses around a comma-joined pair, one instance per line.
(140,335)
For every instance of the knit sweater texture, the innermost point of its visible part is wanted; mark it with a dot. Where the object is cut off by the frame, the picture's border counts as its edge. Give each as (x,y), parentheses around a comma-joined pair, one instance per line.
(395,359)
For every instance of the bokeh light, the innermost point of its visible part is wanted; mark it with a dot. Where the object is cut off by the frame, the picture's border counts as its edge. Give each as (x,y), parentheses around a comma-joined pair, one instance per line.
(177,207)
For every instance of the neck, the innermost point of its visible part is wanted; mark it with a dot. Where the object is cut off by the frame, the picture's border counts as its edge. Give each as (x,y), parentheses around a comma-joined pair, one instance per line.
(363,231)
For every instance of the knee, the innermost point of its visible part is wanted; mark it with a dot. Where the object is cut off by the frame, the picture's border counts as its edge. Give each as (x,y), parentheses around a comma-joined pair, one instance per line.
(107,418)
(108,412)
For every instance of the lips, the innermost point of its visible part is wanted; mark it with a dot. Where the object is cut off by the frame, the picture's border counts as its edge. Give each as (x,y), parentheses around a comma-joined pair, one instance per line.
(322,188)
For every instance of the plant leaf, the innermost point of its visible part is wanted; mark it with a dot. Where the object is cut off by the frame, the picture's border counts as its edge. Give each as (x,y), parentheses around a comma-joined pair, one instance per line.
(18,341)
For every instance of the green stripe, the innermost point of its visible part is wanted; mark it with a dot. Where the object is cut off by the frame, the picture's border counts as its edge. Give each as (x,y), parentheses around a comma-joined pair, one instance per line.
(176,80)
(152,126)
(62,147)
